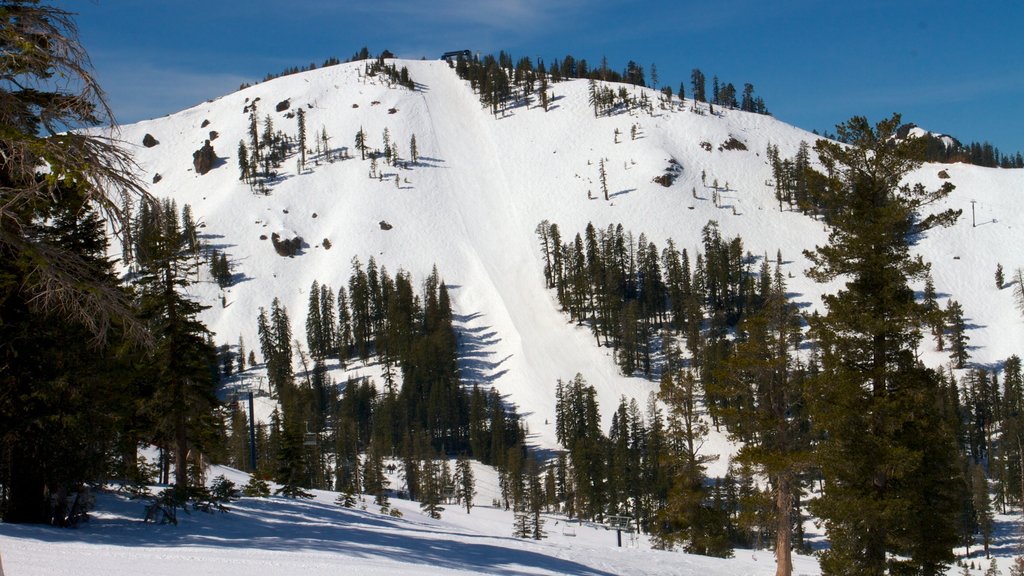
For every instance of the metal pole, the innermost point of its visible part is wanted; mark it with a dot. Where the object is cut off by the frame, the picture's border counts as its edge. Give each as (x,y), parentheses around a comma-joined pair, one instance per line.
(252,437)
(618,536)
(973,221)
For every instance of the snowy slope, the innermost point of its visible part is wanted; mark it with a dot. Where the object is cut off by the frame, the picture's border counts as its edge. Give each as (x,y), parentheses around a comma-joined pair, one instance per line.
(471,207)
(281,537)
(472,204)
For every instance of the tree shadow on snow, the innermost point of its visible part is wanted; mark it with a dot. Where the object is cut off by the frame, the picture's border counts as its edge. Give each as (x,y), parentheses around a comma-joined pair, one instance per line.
(283,525)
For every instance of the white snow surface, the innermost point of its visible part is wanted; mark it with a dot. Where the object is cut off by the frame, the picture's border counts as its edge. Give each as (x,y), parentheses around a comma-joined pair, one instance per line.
(473,202)
(471,206)
(282,537)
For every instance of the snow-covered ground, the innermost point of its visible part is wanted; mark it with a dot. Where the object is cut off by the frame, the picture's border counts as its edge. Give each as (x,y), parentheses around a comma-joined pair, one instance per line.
(471,206)
(278,536)
(282,537)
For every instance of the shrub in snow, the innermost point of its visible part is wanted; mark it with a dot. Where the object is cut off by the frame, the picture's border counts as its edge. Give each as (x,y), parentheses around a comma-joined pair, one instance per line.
(256,488)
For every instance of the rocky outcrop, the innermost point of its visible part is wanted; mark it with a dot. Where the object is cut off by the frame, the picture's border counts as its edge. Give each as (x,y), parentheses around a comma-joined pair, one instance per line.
(286,246)
(148,141)
(203,159)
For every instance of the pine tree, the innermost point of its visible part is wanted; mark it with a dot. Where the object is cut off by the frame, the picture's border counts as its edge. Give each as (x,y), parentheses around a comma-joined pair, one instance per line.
(1018,289)
(243,162)
(957,334)
(361,143)
(688,516)
(766,405)
(982,506)
(301,115)
(414,151)
(1000,279)
(465,483)
(603,176)
(185,398)
(888,458)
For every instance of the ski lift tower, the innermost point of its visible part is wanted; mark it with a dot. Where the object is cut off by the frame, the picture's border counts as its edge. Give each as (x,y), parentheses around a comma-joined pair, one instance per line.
(620,524)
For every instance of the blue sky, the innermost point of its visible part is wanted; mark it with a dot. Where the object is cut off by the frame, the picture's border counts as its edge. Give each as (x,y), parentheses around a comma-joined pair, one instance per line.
(949,66)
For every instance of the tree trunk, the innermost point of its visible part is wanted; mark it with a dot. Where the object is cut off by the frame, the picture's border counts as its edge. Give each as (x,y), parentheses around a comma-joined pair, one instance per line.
(784,525)
(27,501)
(180,451)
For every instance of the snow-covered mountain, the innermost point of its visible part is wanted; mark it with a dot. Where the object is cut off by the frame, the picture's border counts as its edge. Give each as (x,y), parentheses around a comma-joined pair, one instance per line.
(471,206)
(483,183)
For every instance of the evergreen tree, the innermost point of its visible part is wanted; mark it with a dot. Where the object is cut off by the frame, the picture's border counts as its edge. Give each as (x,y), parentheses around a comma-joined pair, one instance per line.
(957,334)
(465,484)
(765,409)
(688,515)
(55,290)
(603,176)
(888,459)
(185,397)
(243,162)
(301,116)
(982,506)
(697,80)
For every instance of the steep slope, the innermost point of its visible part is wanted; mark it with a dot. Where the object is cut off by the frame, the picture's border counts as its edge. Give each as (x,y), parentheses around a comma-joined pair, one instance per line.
(471,206)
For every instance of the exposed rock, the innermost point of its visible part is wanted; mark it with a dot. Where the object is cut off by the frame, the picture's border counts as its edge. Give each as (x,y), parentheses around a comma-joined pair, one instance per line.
(327,244)
(392,110)
(283,105)
(671,173)
(213,135)
(943,174)
(148,141)
(157,177)
(204,124)
(286,246)
(263,236)
(385,226)
(203,158)
(732,144)
(706,146)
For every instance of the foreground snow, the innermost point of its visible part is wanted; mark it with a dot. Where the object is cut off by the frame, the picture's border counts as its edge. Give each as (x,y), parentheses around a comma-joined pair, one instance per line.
(277,536)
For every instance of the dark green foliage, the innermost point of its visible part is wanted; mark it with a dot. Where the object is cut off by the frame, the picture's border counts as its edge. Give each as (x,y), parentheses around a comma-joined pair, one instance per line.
(220,268)
(691,515)
(256,488)
(957,334)
(179,368)
(503,83)
(888,459)
(465,484)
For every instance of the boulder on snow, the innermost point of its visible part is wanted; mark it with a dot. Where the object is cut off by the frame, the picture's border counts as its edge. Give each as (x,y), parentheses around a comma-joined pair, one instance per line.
(384,225)
(285,245)
(148,141)
(203,158)
(283,105)
(943,174)
(204,124)
(213,135)
(732,144)
(157,177)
